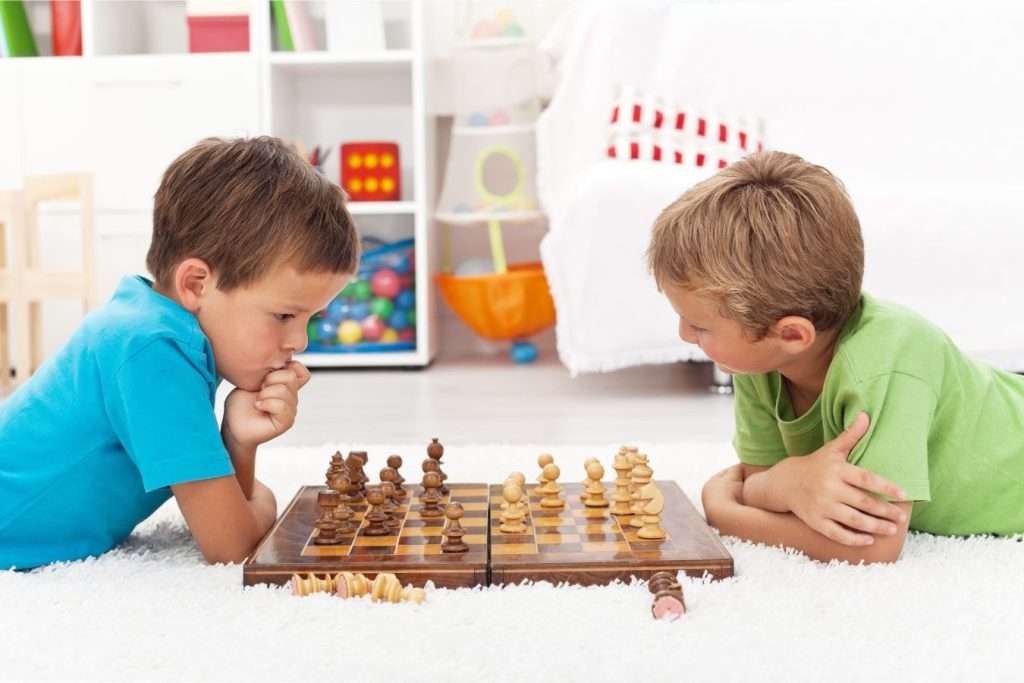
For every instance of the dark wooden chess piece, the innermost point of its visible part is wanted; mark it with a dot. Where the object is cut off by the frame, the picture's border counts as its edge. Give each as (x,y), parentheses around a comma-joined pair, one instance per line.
(375,517)
(393,520)
(395,462)
(354,464)
(431,495)
(453,532)
(327,528)
(668,596)
(343,514)
(435,450)
(336,466)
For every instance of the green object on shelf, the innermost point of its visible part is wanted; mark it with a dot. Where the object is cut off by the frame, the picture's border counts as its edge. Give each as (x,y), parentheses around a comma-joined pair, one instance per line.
(284,34)
(17,33)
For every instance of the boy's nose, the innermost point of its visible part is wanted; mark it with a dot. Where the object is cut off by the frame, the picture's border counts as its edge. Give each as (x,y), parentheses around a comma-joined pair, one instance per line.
(297,341)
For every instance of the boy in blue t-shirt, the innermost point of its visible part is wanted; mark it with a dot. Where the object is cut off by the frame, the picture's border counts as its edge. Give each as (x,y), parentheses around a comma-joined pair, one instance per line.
(249,242)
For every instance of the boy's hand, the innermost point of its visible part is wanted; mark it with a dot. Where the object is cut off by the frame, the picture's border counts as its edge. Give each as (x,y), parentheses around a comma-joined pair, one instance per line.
(252,418)
(834,497)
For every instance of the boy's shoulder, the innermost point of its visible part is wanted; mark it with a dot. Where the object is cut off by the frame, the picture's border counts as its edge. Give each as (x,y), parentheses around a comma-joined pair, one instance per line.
(137,318)
(882,337)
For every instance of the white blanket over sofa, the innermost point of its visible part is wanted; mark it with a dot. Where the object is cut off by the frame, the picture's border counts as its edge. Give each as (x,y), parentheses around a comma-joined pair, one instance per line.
(916,106)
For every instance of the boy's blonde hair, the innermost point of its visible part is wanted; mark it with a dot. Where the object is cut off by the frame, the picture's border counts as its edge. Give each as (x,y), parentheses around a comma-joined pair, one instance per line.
(769,236)
(244,206)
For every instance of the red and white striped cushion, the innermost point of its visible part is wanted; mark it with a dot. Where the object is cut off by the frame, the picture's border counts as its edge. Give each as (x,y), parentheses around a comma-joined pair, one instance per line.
(645,127)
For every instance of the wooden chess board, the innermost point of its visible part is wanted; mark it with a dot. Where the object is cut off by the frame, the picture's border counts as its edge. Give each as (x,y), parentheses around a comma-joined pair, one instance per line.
(577,545)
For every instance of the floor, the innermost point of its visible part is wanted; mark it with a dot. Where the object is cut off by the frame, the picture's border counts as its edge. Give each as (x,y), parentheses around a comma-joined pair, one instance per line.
(488,399)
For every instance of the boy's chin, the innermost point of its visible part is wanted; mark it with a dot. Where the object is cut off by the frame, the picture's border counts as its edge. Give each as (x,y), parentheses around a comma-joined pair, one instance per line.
(246,382)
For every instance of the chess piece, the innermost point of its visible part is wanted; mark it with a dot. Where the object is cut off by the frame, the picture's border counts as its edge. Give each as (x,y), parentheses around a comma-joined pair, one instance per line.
(343,513)
(311,583)
(350,585)
(668,600)
(376,517)
(543,460)
(395,462)
(354,466)
(435,450)
(639,478)
(550,489)
(326,526)
(432,495)
(651,513)
(594,491)
(622,499)
(512,518)
(336,467)
(392,520)
(453,532)
(586,463)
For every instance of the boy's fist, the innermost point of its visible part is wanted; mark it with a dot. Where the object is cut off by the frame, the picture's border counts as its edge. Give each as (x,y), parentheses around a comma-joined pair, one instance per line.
(252,418)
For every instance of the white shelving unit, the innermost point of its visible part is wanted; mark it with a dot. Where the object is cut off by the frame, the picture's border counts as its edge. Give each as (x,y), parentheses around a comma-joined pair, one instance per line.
(136,99)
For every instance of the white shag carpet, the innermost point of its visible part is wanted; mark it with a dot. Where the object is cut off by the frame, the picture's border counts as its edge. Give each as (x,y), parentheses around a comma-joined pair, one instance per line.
(151,610)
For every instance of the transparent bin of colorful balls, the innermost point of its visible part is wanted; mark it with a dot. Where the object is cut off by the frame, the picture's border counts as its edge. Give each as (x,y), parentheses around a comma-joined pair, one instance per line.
(377,310)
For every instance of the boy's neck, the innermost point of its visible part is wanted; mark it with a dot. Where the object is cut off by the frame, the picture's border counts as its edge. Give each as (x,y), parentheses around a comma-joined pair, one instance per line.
(805,375)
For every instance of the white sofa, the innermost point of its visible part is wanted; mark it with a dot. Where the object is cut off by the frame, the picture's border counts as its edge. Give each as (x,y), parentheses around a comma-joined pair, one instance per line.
(916,106)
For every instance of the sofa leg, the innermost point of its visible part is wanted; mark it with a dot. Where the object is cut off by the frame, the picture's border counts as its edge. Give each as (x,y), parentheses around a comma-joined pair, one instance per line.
(721,382)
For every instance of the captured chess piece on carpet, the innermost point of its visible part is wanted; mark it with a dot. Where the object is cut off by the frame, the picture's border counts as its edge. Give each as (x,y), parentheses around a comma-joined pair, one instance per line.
(456,534)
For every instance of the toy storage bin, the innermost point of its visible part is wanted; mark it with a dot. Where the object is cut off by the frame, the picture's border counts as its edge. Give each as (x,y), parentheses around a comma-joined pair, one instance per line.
(501,306)
(218,33)
(377,310)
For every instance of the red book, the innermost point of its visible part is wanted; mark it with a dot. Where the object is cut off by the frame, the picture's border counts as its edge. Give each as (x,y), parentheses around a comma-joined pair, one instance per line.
(66,22)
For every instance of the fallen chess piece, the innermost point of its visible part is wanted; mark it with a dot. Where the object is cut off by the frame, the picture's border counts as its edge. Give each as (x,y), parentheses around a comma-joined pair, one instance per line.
(668,601)
(384,588)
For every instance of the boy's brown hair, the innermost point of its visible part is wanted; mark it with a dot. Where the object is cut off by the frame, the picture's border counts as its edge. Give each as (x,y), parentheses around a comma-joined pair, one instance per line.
(245,205)
(769,236)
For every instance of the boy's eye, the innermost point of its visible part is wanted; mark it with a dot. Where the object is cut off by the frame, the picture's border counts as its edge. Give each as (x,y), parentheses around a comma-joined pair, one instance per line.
(283,317)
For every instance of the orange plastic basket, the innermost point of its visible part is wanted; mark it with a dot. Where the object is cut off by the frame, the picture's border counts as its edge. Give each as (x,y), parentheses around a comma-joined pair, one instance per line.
(509,305)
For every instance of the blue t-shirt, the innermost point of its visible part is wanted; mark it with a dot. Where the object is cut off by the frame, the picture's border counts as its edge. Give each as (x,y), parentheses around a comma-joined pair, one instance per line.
(90,445)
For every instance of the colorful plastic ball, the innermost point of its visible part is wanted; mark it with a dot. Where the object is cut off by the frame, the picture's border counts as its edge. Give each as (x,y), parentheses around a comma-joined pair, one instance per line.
(382,307)
(338,310)
(361,290)
(412,318)
(523,352)
(311,331)
(349,289)
(360,311)
(499,118)
(477,118)
(484,29)
(407,281)
(350,332)
(403,265)
(373,328)
(408,334)
(389,336)
(406,299)
(385,283)
(513,30)
(326,330)
(399,319)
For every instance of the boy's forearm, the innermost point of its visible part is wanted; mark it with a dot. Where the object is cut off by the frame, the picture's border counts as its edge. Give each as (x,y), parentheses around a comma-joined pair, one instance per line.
(750,523)
(761,490)
(264,507)
(243,459)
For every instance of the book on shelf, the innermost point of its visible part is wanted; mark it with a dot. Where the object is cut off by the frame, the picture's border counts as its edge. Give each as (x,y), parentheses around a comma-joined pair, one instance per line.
(300,25)
(17,32)
(284,34)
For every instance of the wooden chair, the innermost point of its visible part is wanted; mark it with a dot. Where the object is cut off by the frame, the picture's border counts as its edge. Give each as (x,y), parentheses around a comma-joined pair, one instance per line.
(24,285)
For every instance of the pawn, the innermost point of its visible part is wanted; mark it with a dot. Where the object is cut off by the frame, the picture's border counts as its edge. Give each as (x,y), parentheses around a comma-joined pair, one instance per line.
(512,518)
(586,464)
(343,513)
(519,479)
(395,463)
(390,509)
(543,460)
(432,466)
(376,517)
(327,528)
(551,489)
(594,491)
(432,495)
(435,450)
(453,531)
(668,603)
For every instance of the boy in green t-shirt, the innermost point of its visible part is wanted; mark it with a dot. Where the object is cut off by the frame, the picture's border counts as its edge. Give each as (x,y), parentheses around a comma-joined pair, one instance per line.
(896,427)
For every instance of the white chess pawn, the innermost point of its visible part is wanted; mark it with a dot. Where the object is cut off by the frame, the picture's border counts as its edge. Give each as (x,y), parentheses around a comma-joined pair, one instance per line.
(551,489)
(512,518)
(595,489)
(543,460)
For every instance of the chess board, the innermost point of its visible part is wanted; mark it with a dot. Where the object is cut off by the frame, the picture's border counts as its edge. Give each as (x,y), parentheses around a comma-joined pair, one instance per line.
(578,545)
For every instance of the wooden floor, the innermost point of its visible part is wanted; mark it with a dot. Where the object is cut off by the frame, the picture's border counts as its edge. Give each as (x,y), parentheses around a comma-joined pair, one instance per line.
(488,399)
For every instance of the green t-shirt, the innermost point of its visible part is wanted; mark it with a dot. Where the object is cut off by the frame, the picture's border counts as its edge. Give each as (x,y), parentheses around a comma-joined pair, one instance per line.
(947,429)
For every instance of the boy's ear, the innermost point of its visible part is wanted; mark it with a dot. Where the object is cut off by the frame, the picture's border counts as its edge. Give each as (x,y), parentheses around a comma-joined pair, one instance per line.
(796,332)
(193,278)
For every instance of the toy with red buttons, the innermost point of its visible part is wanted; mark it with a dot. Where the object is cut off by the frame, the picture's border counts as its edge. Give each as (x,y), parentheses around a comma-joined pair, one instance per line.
(371,172)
